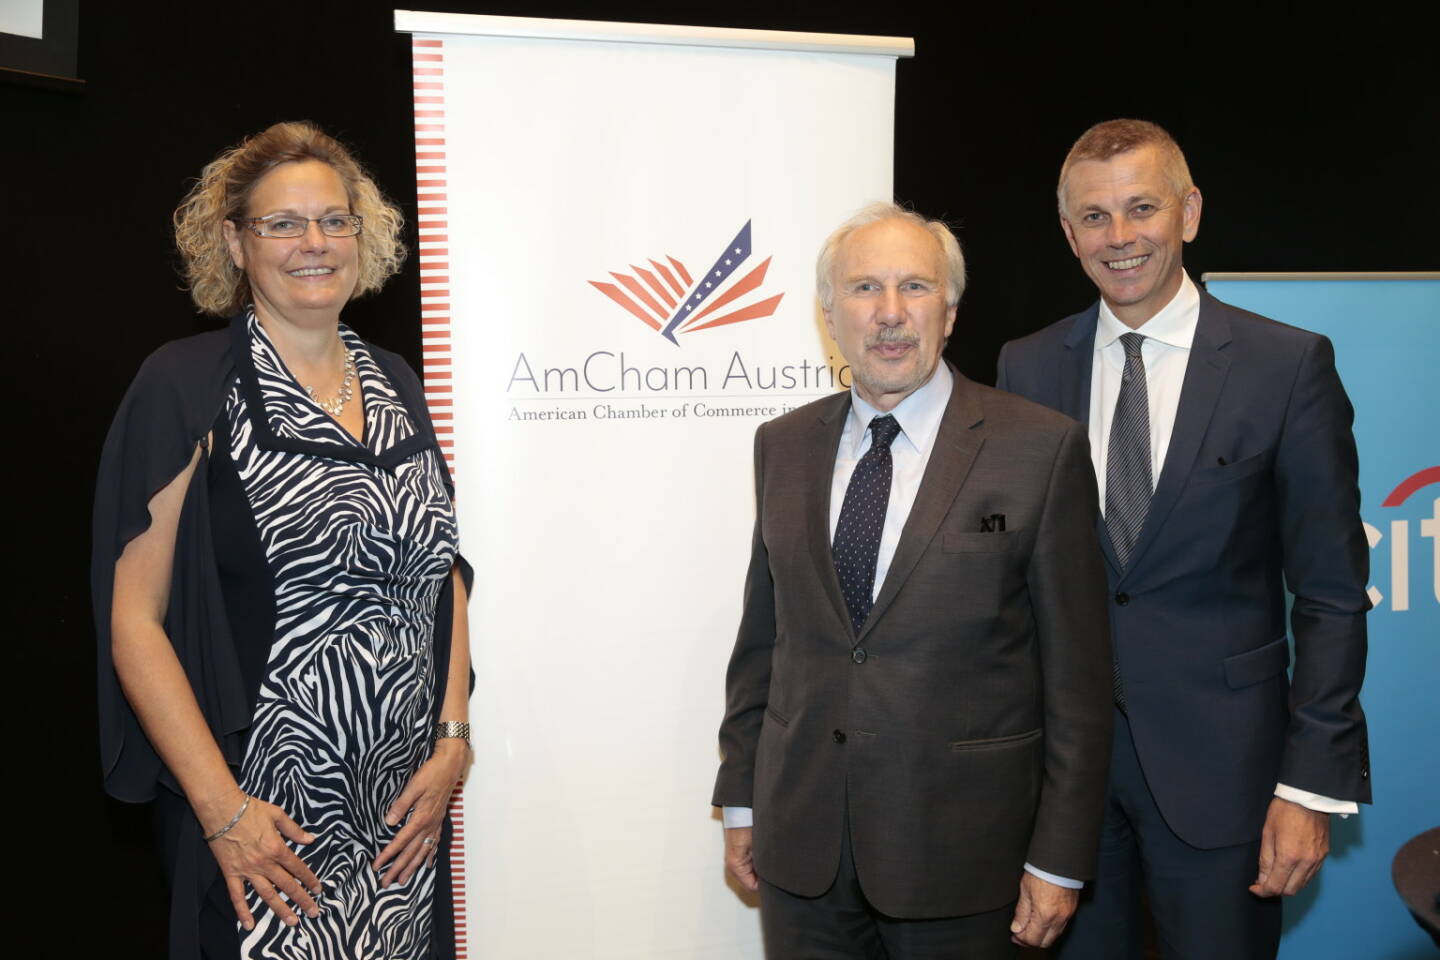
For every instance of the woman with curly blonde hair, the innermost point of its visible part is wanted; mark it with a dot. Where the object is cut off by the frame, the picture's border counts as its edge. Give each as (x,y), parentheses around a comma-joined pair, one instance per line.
(284,663)
(216,282)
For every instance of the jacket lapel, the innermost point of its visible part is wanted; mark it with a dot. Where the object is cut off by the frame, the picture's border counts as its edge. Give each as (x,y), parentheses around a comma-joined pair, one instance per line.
(1077,369)
(1077,365)
(956,445)
(824,441)
(1204,377)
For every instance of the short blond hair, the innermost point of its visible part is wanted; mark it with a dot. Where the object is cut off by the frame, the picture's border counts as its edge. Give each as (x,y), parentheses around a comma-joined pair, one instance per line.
(1114,137)
(874,213)
(219,287)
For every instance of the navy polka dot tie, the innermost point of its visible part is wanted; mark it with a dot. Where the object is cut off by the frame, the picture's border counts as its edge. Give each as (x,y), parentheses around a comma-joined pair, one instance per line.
(862,518)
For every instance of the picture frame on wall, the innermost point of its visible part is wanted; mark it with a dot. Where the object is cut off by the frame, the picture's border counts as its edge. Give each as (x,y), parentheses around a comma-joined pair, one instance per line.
(38,43)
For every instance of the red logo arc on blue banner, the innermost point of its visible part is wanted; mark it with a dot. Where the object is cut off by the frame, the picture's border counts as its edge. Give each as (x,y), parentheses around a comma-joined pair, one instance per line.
(1402,491)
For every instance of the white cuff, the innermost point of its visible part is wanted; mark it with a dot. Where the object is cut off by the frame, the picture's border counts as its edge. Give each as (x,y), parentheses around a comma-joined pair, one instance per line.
(745,817)
(1313,801)
(1051,878)
(737,817)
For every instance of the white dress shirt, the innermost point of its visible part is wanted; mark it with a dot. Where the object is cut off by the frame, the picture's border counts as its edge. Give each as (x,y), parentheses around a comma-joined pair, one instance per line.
(919,416)
(1165,352)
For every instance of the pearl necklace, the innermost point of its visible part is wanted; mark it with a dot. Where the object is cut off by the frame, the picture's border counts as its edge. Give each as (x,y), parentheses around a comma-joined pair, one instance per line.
(336,405)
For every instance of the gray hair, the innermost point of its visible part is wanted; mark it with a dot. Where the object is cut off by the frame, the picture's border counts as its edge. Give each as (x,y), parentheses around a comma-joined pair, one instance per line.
(1113,137)
(874,213)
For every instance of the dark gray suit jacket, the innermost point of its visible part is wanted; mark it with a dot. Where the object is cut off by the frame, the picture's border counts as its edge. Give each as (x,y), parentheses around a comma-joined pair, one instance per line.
(967,727)
(1258,492)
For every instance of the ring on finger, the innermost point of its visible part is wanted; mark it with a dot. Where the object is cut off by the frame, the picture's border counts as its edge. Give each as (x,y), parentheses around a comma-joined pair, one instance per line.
(428,841)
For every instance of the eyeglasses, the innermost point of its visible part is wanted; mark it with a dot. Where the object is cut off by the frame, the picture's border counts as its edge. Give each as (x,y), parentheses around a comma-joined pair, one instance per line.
(283,226)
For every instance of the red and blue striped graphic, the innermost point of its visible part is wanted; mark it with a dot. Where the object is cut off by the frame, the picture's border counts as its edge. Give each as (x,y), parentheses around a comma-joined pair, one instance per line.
(669,301)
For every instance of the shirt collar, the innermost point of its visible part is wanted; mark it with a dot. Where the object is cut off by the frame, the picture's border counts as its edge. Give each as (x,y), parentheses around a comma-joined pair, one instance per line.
(919,414)
(1174,325)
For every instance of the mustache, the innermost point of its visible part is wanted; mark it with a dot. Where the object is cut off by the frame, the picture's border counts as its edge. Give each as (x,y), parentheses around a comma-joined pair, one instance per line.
(893,335)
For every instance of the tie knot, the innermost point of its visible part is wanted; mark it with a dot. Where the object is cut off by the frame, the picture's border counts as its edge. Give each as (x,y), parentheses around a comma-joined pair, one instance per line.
(1131,342)
(884,430)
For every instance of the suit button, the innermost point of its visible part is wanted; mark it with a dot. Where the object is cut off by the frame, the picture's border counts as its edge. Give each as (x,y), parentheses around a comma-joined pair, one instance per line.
(838,736)
(858,654)
(1122,598)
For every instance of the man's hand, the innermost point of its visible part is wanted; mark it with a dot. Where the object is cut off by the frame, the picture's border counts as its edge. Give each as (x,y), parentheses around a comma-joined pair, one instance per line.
(738,842)
(1292,847)
(1042,912)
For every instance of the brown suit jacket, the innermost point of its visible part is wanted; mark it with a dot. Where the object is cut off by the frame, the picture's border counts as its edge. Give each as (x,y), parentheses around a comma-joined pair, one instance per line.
(967,726)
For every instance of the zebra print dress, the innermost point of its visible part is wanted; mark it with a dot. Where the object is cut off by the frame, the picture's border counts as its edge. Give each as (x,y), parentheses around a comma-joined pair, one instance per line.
(358,554)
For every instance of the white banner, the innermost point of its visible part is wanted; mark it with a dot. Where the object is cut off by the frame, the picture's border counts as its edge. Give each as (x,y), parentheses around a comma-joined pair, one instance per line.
(618,230)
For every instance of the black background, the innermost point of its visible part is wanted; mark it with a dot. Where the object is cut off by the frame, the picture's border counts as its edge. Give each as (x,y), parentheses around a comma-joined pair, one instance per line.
(1310,134)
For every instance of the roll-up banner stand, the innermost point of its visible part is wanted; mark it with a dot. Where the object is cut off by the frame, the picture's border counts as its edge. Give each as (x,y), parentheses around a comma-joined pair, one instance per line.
(1386,332)
(618,228)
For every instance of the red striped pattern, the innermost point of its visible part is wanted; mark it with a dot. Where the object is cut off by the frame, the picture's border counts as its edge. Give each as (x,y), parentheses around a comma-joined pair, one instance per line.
(457,870)
(428,57)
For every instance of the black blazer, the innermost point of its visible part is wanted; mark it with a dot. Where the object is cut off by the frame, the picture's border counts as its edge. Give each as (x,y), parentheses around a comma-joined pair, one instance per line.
(967,726)
(1258,493)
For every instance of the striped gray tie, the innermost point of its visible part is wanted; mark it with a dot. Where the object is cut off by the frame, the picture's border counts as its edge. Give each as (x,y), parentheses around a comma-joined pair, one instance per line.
(1127,465)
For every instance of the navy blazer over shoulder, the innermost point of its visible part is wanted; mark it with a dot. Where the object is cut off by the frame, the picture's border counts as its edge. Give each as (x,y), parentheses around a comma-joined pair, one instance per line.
(1258,494)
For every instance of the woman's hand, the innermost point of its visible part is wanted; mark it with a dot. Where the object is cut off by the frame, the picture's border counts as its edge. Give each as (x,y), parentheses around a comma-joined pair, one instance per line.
(424,799)
(253,852)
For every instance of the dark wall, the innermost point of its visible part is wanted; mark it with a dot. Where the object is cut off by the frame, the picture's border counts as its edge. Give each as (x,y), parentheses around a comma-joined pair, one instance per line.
(1311,137)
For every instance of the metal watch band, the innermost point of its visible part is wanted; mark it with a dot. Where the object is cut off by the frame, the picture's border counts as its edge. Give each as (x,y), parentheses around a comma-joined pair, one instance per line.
(447,729)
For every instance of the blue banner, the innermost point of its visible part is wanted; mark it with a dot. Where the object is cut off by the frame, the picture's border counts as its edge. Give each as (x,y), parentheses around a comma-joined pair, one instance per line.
(1387,347)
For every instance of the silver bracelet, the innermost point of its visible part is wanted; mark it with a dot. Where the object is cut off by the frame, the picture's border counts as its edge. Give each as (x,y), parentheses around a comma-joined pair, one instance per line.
(233,820)
(447,729)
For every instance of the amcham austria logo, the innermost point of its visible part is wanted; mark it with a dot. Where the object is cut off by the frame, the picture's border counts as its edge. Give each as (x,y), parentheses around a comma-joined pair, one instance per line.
(1399,594)
(669,301)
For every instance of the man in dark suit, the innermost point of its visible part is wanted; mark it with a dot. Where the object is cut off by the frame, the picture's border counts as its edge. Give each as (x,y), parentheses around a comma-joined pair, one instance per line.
(918,708)
(1227,472)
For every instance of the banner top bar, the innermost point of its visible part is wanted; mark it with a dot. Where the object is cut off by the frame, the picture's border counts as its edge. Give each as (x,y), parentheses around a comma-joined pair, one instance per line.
(1221,276)
(418,21)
